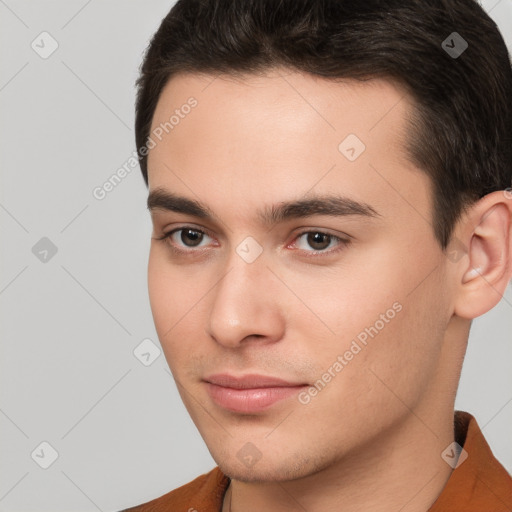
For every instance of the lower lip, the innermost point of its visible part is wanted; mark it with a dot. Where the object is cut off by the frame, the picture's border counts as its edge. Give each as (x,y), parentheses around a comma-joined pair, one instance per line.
(249,400)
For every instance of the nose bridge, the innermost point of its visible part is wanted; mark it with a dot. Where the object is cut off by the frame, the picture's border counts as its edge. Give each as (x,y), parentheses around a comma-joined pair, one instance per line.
(244,303)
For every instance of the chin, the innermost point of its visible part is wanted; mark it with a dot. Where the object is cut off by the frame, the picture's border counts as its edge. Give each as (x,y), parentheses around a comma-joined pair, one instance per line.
(268,471)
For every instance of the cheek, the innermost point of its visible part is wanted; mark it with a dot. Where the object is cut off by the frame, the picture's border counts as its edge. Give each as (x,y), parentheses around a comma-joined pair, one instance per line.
(340,302)
(382,324)
(170,294)
(368,386)
(177,296)
(160,298)
(396,365)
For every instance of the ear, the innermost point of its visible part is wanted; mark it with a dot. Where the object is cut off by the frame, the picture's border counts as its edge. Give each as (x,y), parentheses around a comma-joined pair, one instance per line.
(486,233)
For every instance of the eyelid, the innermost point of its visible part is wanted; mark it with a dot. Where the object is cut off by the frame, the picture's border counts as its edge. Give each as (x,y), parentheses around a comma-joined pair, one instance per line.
(343,241)
(166,238)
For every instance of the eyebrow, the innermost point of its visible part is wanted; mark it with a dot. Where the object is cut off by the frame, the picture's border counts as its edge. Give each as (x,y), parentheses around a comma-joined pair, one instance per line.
(331,205)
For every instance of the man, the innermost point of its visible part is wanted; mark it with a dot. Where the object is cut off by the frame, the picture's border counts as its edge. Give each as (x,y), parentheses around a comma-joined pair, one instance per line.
(329,185)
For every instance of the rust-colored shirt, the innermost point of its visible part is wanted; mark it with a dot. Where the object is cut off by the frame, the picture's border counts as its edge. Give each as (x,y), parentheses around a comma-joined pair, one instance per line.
(479,484)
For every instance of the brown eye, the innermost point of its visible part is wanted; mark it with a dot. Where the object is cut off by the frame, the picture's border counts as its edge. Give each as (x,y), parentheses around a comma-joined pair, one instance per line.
(186,237)
(191,237)
(318,241)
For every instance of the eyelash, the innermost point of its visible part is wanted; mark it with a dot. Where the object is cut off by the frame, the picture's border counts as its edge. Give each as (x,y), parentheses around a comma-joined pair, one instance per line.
(342,242)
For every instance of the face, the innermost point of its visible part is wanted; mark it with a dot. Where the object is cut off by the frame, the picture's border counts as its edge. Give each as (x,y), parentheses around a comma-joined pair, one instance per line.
(292,240)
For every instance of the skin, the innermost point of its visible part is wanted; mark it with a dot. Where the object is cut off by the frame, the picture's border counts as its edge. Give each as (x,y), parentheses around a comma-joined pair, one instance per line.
(382,422)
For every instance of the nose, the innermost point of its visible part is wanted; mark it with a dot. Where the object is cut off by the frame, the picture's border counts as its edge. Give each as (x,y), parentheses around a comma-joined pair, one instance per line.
(245,305)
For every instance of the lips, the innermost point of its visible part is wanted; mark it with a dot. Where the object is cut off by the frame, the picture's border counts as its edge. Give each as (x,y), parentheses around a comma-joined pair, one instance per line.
(249,393)
(249,381)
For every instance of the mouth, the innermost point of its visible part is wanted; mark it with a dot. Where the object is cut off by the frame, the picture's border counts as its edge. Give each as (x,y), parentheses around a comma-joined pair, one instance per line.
(249,393)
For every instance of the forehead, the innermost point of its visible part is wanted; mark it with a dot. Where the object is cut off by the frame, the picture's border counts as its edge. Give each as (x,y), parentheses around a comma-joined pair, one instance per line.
(300,100)
(257,138)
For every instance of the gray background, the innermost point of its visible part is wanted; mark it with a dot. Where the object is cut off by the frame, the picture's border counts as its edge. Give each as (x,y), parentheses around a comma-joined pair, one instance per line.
(70,324)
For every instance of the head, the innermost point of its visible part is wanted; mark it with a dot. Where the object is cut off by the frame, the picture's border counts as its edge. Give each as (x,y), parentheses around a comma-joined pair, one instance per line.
(327,187)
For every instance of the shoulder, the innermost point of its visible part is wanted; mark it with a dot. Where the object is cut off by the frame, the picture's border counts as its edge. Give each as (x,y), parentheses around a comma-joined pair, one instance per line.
(205,493)
(478,482)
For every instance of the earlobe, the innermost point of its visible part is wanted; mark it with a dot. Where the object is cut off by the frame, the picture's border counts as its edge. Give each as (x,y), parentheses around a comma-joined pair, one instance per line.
(486,275)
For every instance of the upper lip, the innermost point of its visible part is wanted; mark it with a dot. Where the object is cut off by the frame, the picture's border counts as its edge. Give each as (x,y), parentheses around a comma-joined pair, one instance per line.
(250,381)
